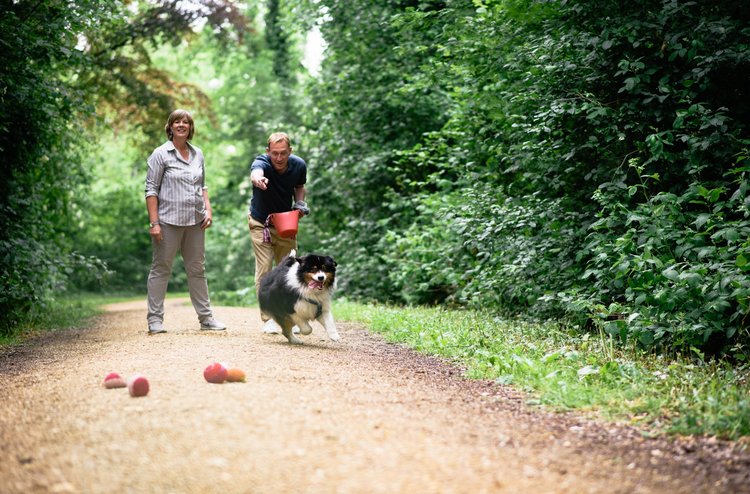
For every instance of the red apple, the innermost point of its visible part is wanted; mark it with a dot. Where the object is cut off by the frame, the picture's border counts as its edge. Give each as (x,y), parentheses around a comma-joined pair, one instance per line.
(138,385)
(215,373)
(114,380)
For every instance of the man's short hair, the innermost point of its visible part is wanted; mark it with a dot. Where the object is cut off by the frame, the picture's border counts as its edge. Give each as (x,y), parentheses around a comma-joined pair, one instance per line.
(279,137)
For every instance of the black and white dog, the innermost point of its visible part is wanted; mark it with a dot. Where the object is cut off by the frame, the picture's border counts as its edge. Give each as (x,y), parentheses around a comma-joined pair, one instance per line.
(298,291)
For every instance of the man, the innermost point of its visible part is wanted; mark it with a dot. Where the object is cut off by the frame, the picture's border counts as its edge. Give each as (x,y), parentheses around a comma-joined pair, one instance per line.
(278,179)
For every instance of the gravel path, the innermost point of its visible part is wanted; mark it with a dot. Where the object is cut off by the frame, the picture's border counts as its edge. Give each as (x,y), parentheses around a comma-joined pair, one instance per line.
(361,416)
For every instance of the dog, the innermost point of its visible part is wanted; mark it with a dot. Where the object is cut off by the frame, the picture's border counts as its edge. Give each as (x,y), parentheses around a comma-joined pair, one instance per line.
(298,291)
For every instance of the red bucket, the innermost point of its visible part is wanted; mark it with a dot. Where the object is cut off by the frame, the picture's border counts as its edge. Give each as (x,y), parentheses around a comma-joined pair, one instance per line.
(286,223)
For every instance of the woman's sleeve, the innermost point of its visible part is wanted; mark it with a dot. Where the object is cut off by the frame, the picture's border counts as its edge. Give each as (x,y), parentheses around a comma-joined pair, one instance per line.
(154,174)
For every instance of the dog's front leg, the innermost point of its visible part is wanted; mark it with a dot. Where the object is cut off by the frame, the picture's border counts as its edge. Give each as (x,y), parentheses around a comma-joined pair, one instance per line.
(305,328)
(304,325)
(286,330)
(326,319)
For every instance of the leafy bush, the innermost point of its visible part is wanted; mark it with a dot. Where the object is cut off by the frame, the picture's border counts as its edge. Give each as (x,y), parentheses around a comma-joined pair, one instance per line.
(678,264)
(40,171)
(489,252)
(545,104)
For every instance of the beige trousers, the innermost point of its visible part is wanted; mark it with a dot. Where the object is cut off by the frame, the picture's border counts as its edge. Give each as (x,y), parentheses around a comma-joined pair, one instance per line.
(267,254)
(190,241)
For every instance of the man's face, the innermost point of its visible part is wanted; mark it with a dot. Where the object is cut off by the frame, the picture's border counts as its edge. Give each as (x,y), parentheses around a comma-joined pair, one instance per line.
(279,153)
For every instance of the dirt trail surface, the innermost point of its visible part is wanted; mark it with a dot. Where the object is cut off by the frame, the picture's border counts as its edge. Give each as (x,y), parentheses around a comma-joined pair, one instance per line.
(360,416)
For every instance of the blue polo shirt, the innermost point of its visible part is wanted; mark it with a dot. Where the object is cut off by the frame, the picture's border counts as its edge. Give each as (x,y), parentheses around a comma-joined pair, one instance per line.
(279,196)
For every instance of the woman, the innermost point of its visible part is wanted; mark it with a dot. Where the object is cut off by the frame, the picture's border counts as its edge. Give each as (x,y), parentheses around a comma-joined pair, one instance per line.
(179,213)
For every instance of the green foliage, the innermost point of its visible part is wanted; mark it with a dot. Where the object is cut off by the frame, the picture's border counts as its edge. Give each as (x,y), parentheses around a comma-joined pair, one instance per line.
(60,59)
(278,41)
(40,168)
(508,186)
(668,243)
(126,85)
(477,253)
(365,111)
(115,232)
(252,103)
(677,263)
(570,159)
(235,75)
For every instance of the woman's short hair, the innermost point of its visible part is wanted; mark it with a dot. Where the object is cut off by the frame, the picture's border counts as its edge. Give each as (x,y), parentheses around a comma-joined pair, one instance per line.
(179,115)
(279,137)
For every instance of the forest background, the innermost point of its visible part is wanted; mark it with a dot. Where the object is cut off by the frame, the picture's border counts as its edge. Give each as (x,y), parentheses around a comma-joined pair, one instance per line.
(578,161)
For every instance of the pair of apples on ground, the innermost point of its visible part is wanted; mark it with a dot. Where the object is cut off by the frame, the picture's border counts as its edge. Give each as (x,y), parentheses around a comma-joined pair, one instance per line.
(138,385)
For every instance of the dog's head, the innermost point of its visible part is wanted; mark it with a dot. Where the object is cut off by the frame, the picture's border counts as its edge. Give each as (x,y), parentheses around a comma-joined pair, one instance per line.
(317,272)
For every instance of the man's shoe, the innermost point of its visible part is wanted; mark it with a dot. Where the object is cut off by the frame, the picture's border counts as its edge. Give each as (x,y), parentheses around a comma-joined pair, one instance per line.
(156,328)
(270,327)
(212,324)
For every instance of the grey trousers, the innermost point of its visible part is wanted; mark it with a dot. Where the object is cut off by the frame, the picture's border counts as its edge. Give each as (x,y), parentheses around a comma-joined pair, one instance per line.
(190,241)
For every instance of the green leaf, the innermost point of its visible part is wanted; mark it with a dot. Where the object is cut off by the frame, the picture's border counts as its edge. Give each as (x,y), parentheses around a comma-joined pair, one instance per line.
(588,370)
(671,274)
(701,220)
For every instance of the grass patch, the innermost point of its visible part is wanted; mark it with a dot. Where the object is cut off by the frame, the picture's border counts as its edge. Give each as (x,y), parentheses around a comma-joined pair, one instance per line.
(70,311)
(235,298)
(569,370)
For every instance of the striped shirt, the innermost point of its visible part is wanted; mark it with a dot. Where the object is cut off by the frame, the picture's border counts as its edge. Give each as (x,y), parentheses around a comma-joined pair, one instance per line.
(178,184)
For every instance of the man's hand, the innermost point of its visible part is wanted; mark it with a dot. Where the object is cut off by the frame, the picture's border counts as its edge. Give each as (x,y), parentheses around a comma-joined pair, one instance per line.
(260,182)
(302,206)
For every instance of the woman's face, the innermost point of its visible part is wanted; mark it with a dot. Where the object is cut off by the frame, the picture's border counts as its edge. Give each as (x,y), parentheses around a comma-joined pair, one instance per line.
(181,128)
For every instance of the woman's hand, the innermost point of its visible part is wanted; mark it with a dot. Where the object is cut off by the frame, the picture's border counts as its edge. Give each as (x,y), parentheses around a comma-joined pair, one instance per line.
(155,232)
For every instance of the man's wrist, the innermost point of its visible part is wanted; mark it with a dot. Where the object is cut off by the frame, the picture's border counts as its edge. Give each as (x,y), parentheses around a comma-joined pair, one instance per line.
(152,224)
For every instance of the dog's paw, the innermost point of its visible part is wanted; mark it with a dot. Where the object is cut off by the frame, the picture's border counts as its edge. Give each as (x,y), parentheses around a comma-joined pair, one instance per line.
(334,336)
(295,341)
